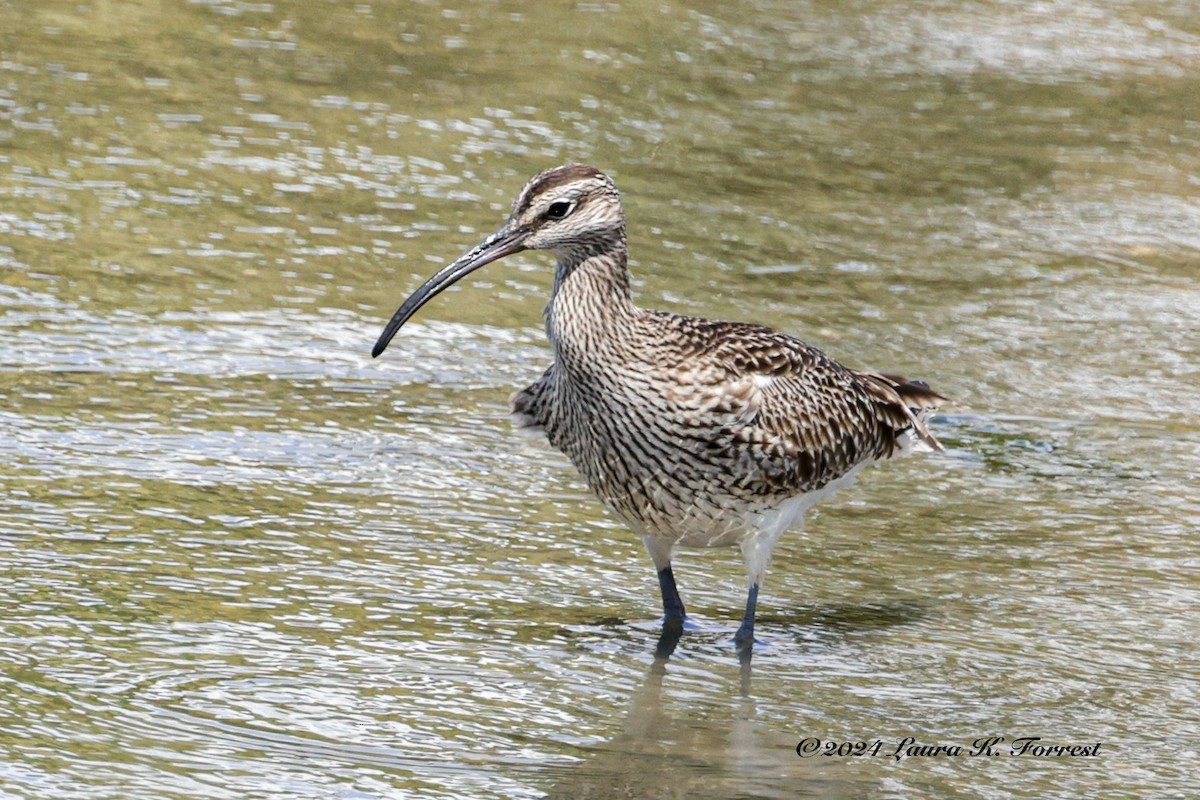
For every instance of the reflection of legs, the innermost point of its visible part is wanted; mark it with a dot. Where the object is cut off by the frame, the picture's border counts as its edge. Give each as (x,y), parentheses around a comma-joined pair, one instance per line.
(746,672)
(667,640)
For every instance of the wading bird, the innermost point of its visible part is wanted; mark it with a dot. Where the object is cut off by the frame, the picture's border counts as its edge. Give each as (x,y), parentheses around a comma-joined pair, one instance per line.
(694,432)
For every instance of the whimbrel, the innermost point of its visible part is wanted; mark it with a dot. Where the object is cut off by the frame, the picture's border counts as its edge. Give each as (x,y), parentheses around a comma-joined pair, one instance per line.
(694,432)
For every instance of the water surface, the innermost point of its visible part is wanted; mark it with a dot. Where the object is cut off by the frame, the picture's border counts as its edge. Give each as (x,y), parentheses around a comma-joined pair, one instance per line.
(240,558)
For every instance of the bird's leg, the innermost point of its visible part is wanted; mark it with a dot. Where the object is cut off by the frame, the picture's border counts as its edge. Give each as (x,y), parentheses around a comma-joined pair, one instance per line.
(756,549)
(744,638)
(673,613)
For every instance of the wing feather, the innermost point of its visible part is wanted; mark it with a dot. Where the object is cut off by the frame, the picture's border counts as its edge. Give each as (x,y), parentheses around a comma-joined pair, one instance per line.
(801,417)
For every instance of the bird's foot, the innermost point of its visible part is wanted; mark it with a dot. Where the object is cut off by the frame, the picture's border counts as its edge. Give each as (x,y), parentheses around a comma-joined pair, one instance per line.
(743,640)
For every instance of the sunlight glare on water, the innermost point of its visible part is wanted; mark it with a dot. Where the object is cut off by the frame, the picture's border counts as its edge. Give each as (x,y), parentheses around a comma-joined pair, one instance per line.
(240,558)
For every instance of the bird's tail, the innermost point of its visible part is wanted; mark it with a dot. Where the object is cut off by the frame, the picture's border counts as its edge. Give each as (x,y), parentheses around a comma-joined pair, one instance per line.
(919,403)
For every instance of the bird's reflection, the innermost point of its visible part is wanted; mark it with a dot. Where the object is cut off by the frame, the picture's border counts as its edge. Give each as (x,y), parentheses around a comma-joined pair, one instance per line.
(660,755)
(665,648)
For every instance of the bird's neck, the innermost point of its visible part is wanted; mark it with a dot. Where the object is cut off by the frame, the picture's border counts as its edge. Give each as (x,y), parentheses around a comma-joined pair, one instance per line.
(591,310)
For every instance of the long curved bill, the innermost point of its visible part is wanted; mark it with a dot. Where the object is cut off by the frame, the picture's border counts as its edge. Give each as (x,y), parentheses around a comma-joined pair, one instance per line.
(500,244)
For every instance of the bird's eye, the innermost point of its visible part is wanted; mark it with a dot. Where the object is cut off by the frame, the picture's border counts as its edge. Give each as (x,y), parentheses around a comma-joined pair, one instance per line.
(558,210)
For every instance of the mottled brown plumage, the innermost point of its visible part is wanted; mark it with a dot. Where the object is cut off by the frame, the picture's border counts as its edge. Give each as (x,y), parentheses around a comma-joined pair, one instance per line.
(692,431)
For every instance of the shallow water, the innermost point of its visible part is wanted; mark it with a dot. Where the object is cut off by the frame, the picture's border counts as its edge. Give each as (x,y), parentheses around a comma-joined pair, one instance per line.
(240,558)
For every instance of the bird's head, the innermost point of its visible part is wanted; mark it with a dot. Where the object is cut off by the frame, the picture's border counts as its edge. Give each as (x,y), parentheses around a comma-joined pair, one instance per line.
(572,210)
